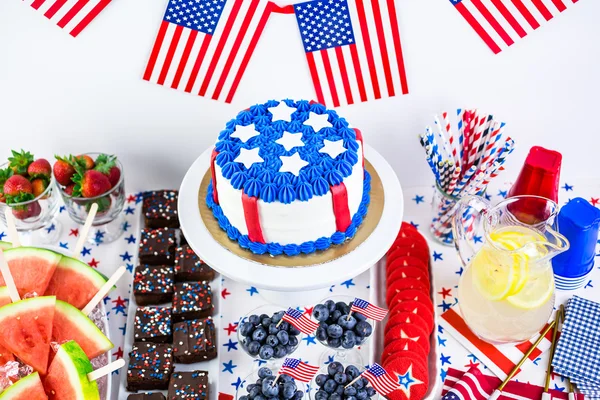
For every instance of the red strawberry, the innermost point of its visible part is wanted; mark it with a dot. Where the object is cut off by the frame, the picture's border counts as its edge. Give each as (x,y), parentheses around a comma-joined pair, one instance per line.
(40,168)
(69,189)
(63,171)
(17,184)
(108,166)
(85,161)
(91,184)
(4,175)
(114,175)
(30,210)
(39,186)
(20,161)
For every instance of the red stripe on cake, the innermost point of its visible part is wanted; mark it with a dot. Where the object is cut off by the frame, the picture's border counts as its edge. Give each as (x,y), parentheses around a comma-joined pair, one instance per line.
(250,205)
(213,158)
(359,138)
(340,207)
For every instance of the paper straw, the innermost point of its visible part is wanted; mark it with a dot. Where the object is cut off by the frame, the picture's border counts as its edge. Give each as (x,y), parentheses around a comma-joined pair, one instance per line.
(464,180)
(443,167)
(8,279)
(454,179)
(493,140)
(85,230)
(107,369)
(103,290)
(483,140)
(443,139)
(558,319)
(13,235)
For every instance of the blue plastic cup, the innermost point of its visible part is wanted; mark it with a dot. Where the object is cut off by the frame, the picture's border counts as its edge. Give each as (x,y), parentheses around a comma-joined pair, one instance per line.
(578,221)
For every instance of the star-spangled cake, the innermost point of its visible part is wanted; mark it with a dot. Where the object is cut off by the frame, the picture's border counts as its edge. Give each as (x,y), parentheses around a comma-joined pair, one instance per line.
(288,178)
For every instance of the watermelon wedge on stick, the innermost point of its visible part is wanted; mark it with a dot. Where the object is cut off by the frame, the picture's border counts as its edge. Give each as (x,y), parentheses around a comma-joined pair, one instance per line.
(5,245)
(26,330)
(31,268)
(67,377)
(4,296)
(29,387)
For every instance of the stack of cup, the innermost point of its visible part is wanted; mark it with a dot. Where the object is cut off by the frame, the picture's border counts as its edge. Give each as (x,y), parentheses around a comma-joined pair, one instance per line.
(578,221)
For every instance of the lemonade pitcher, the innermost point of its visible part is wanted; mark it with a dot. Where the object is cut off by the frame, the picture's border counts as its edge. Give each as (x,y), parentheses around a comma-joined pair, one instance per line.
(506,290)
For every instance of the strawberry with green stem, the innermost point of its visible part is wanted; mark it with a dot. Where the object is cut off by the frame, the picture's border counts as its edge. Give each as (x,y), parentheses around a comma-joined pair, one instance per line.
(92,183)
(4,175)
(19,162)
(108,166)
(17,189)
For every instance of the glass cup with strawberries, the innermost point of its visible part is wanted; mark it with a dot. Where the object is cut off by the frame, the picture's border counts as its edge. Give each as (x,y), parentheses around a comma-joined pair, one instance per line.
(93,178)
(27,187)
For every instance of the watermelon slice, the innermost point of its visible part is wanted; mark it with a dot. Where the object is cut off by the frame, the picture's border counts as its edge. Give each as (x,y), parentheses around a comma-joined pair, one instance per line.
(4,296)
(5,245)
(75,282)
(26,329)
(31,268)
(29,387)
(5,356)
(67,375)
(72,324)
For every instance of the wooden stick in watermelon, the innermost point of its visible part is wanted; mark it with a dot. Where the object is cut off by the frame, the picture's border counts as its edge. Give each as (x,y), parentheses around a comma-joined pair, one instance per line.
(8,279)
(85,230)
(13,235)
(104,290)
(107,369)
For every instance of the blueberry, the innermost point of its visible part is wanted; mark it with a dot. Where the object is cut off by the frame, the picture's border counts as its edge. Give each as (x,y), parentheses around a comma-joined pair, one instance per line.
(243,398)
(273,329)
(343,307)
(334,368)
(289,389)
(283,337)
(340,390)
(371,391)
(347,321)
(254,319)
(253,348)
(321,395)
(334,316)
(277,316)
(330,304)
(284,326)
(330,386)
(250,386)
(359,316)
(340,378)
(320,312)
(321,334)
(289,349)
(246,329)
(298,395)
(272,340)
(266,352)
(259,334)
(348,340)
(358,384)
(335,396)
(334,331)
(259,382)
(280,351)
(263,316)
(268,389)
(350,391)
(359,339)
(321,379)
(350,398)
(293,330)
(363,328)
(365,382)
(293,341)
(352,372)
(260,397)
(362,394)
(283,378)
(334,343)
(265,322)
(264,372)
(255,391)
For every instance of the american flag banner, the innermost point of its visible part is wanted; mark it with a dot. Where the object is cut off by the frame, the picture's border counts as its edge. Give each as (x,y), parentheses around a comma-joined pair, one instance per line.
(71,15)
(301,321)
(381,381)
(500,23)
(472,385)
(204,46)
(368,310)
(298,370)
(353,49)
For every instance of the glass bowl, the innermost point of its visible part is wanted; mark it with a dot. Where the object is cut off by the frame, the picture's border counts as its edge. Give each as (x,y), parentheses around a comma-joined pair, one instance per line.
(314,388)
(245,341)
(251,379)
(108,223)
(37,215)
(342,349)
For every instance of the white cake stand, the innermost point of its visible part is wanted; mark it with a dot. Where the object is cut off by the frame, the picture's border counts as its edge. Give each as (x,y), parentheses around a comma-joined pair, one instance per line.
(284,285)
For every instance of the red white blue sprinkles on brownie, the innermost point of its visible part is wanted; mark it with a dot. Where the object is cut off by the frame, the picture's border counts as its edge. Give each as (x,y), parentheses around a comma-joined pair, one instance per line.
(288,178)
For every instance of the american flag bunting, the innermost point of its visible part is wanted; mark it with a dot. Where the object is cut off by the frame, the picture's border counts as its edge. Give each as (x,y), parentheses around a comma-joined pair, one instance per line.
(298,370)
(301,321)
(368,310)
(472,385)
(381,381)
(71,15)
(501,23)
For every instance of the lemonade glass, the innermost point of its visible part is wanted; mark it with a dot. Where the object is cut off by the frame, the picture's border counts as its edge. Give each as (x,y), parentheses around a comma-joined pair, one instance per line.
(506,291)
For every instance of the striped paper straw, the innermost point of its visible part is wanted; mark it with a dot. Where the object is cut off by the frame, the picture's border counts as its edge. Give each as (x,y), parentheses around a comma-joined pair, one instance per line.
(484,138)
(490,148)
(464,180)
(442,137)
(453,180)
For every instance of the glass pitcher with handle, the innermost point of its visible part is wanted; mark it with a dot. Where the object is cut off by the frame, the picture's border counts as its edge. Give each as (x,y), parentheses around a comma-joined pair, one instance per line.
(506,290)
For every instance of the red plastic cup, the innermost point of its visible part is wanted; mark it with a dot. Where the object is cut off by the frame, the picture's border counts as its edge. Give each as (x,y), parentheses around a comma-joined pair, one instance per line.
(539,176)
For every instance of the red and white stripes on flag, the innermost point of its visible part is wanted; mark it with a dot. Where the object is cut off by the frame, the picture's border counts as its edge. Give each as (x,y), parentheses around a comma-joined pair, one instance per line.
(71,15)
(471,385)
(368,310)
(298,370)
(300,321)
(204,46)
(500,23)
(353,49)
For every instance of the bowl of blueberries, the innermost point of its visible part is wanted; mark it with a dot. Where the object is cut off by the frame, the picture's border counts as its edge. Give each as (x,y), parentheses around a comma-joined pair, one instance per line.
(333,383)
(340,330)
(285,388)
(263,335)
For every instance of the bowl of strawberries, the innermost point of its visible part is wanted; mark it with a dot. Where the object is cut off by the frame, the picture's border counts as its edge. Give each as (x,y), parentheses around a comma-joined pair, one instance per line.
(27,188)
(93,178)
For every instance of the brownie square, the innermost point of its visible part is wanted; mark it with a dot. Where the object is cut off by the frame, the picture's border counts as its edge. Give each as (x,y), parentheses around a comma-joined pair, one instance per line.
(146,396)
(194,341)
(153,284)
(152,324)
(192,300)
(160,209)
(157,246)
(189,267)
(188,385)
(150,366)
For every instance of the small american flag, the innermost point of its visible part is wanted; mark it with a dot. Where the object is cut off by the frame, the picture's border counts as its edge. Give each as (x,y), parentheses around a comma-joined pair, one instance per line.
(298,370)
(381,381)
(368,310)
(353,49)
(71,15)
(473,385)
(204,46)
(501,23)
(301,321)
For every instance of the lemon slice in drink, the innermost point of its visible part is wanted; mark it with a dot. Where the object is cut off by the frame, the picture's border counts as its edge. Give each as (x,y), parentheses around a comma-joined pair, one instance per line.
(537,290)
(493,280)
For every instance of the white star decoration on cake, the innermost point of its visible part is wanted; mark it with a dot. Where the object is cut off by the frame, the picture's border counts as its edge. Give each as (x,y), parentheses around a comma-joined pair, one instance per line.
(318,121)
(407,381)
(290,140)
(249,157)
(244,133)
(292,164)
(282,112)
(334,149)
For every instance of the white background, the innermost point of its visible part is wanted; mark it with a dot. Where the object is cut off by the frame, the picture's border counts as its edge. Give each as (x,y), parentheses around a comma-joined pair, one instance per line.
(62,95)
